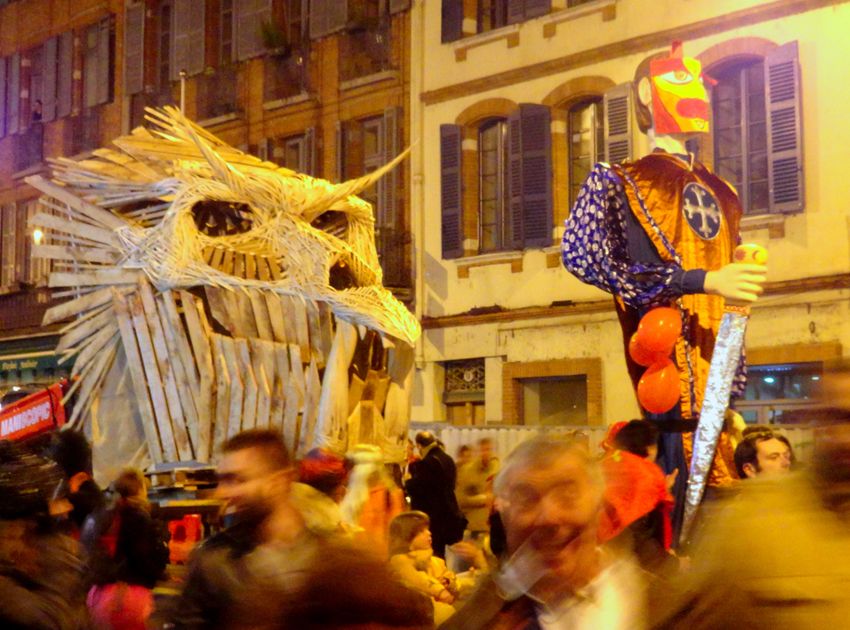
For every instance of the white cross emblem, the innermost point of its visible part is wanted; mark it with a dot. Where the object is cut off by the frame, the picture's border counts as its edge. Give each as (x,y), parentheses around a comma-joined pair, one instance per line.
(702,211)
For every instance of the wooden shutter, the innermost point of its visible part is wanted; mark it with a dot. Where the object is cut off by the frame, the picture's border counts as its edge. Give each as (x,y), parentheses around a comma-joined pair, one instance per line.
(388,184)
(97,59)
(3,93)
(397,6)
(318,18)
(13,109)
(536,8)
(7,277)
(49,60)
(134,49)
(784,129)
(310,151)
(248,16)
(64,81)
(340,151)
(516,11)
(452,20)
(451,191)
(337,15)
(530,176)
(187,37)
(21,242)
(104,62)
(617,105)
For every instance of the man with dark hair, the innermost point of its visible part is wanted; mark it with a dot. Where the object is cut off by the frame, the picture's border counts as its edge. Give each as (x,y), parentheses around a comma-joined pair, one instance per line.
(638,437)
(431,488)
(262,556)
(72,453)
(763,452)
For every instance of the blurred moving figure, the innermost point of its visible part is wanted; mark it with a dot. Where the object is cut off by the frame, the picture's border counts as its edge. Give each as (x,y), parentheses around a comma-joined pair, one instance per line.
(243,576)
(763,452)
(475,488)
(464,455)
(413,560)
(129,553)
(322,475)
(72,453)
(549,496)
(42,583)
(778,555)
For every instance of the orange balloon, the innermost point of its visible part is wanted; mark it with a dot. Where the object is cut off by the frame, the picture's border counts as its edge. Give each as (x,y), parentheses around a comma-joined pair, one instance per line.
(658,388)
(659,329)
(641,355)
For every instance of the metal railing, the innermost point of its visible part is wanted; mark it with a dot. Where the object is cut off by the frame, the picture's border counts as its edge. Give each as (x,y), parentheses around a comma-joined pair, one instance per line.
(29,147)
(217,93)
(83,132)
(285,76)
(364,50)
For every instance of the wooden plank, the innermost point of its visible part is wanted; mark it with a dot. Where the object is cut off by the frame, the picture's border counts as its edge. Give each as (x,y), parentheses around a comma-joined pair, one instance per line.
(104,217)
(90,381)
(263,268)
(76,254)
(264,373)
(92,346)
(137,375)
(85,327)
(227,347)
(326,326)
(76,228)
(166,372)
(310,411)
(333,400)
(186,385)
(91,278)
(295,392)
(274,269)
(227,262)
(276,316)
(311,310)
(153,378)
(239,265)
(208,254)
(200,334)
(218,307)
(247,323)
(222,392)
(261,315)
(217,258)
(249,380)
(250,266)
(278,355)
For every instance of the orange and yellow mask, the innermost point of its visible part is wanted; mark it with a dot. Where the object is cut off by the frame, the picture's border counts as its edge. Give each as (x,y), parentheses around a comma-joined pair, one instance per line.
(679,97)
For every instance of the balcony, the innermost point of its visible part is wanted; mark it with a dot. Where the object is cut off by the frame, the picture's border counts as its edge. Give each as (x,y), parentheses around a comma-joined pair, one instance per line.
(29,147)
(83,133)
(138,103)
(364,50)
(392,245)
(285,76)
(217,93)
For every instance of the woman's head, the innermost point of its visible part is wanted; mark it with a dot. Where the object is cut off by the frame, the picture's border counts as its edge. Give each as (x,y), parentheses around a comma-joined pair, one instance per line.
(130,484)
(639,437)
(409,531)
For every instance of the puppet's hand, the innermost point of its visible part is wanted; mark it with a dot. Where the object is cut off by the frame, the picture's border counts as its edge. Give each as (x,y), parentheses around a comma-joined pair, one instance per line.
(741,282)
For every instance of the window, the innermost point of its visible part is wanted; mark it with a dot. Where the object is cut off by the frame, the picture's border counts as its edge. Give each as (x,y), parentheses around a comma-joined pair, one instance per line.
(740,133)
(492,14)
(775,392)
(585,140)
(492,182)
(225,36)
(216,89)
(464,391)
(296,152)
(365,47)
(8,246)
(98,63)
(554,400)
(164,60)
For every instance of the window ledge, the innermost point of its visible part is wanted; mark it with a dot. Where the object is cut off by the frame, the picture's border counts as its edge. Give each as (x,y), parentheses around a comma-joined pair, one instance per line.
(220,120)
(773,223)
(608,9)
(369,79)
(512,258)
(303,97)
(509,33)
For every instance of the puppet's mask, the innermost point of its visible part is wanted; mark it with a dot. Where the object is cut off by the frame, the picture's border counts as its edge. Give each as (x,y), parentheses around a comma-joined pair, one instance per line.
(679,97)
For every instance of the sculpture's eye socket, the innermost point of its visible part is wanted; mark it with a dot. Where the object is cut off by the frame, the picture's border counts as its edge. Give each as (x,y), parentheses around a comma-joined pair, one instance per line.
(221,218)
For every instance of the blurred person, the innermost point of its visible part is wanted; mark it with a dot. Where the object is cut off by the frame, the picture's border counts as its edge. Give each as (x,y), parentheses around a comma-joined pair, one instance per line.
(464,456)
(637,500)
(262,557)
(42,580)
(321,486)
(72,453)
(778,556)
(763,453)
(554,574)
(413,560)
(372,499)
(128,555)
(475,488)
(351,589)
(431,489)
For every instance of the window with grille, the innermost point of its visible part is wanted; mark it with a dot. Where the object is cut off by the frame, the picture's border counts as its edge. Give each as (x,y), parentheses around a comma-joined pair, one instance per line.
(464,391)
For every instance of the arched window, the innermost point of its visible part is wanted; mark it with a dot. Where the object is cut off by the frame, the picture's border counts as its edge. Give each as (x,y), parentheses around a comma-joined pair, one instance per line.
(492,185)
(740,132)
(585,141)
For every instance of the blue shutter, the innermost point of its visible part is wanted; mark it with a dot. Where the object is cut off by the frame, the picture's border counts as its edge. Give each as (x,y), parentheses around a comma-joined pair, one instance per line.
(13,74)
(134,49)
(188,30)
(617,106)
(3,93)
(64,82)
(248,16)
(49,67)
(536,133)
(451,191)
(784,129)
(514,177)
(452,20)
(516,11)
(536,8)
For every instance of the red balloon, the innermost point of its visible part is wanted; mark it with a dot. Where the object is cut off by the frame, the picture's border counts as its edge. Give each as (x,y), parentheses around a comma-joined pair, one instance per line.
(659,329)
(641,355)
(658,388)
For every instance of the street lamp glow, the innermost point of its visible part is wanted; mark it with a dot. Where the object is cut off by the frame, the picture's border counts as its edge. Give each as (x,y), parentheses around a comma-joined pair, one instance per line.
(37,236)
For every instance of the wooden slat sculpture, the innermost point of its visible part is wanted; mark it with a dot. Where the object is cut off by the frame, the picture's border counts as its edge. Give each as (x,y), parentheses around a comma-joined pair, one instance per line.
(242,294)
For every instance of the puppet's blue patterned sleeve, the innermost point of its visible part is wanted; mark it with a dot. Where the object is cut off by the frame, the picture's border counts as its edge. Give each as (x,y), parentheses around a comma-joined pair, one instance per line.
(595,246)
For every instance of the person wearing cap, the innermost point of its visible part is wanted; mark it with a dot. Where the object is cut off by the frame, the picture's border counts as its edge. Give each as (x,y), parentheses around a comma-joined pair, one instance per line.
(321,485)
(42,581)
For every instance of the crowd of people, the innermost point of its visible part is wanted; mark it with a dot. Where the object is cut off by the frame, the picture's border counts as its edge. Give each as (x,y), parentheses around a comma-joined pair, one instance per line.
(555,536)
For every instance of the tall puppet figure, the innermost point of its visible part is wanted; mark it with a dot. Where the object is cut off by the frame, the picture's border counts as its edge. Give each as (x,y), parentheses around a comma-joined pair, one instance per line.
(661,232)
